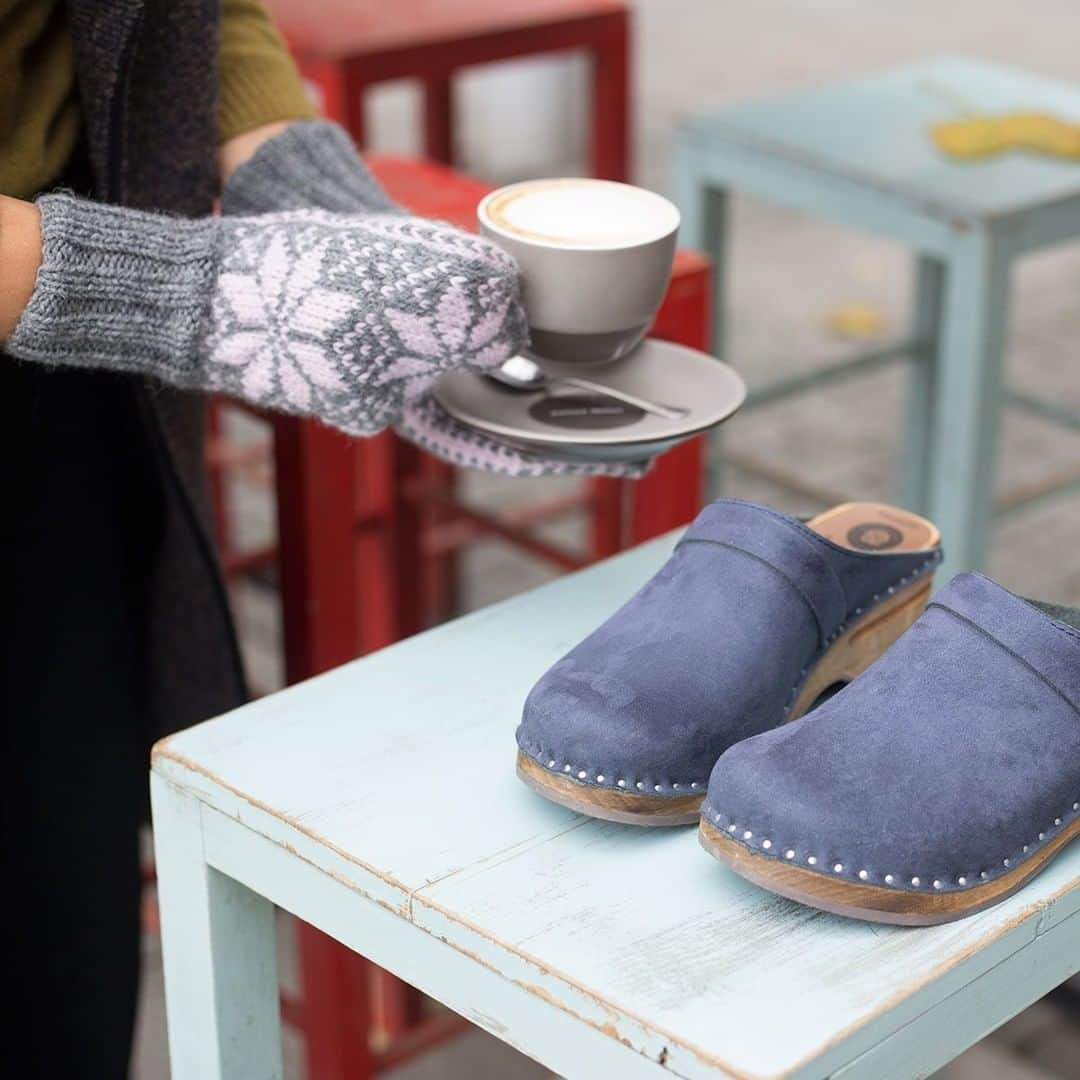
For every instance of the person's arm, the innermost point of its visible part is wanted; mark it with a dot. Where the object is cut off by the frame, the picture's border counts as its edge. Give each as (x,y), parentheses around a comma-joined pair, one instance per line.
(259,89)
(235,151)
(340,316)
(20,257)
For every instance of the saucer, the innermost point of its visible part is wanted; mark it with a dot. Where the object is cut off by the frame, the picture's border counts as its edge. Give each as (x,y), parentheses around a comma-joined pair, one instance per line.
(573,425)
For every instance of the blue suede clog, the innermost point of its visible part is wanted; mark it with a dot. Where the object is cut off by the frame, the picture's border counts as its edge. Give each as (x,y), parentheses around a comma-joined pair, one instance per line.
(934,785)
(752,617)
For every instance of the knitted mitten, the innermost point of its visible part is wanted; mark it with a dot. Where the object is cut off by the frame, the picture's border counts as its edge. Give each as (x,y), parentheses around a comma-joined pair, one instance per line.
(342,316)
(314,164)
(311,165)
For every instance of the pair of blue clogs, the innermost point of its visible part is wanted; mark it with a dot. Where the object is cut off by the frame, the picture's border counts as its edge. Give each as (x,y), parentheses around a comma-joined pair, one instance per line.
(935,784)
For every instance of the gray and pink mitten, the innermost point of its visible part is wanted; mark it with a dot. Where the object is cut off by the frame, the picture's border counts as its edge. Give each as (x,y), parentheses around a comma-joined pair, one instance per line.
(346,317)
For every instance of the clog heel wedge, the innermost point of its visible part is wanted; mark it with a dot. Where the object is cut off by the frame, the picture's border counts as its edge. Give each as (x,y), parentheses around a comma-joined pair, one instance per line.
(754,615)
(934,785)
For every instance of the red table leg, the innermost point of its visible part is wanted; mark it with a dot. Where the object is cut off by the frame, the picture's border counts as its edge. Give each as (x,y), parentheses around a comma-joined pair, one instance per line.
(607,517)
(611,117)
(627,512)
(609,156)
(219,480)
(317,561)
(335,1017)
(337,97)
(395,1008)
(439,120)
(437,576)
(671,494)
(321,626)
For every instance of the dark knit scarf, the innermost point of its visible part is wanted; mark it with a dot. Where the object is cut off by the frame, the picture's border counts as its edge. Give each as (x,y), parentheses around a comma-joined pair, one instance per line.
(146,73)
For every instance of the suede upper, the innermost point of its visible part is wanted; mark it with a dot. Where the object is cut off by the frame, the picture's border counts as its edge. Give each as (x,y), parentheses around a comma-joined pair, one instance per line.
(952,759)
(713,649)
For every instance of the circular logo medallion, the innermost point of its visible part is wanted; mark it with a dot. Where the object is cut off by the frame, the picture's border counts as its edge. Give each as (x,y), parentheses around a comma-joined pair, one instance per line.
(874,536)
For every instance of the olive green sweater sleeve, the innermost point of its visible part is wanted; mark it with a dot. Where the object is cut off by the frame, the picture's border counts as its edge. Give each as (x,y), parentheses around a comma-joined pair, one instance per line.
(257,80)
(39,110)
(39,107)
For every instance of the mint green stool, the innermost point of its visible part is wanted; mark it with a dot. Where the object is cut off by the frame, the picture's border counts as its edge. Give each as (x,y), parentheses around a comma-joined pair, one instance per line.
(859,153)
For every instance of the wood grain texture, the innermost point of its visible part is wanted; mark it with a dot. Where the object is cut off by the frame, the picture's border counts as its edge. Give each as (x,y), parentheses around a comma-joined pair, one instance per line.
(609,804)
(378,802)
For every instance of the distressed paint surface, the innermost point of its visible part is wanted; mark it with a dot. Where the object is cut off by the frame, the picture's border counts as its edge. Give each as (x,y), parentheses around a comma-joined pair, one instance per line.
(386,789)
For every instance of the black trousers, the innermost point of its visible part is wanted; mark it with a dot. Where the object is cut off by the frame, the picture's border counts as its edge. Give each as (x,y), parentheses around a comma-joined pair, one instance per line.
(83,521)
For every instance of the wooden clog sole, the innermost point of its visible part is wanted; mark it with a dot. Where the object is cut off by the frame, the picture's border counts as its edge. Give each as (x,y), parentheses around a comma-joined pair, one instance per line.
(854,651)
(610,804)
(875,903)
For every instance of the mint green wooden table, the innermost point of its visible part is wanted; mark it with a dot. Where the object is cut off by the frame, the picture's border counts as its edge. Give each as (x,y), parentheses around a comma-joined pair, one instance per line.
(379,803)
(859,153)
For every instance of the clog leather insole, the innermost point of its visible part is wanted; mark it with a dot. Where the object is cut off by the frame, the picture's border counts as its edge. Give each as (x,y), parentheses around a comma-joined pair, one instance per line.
(870,526)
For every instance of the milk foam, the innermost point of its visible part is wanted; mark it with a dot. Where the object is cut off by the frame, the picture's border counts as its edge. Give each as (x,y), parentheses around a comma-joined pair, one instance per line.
(583,213)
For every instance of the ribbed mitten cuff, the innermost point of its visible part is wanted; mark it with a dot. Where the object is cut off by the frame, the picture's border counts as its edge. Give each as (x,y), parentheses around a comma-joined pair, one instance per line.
(311,164)
(118,289)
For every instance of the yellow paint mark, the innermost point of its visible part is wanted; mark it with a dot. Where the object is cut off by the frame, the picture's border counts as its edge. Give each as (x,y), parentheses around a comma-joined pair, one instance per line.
(855,321)
(984,135)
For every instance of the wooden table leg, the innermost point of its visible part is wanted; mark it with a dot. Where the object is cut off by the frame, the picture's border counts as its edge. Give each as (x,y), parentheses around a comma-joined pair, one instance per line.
(218,952)
(915,461)
(967,399)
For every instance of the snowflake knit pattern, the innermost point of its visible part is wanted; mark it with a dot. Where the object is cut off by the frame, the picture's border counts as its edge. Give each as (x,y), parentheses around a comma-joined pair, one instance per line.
(350,318)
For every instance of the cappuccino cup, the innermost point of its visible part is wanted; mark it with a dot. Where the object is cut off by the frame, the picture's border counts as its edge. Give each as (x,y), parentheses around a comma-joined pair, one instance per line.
(595,258)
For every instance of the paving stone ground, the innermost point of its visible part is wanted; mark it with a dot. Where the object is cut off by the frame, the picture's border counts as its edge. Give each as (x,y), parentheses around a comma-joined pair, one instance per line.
(786,271)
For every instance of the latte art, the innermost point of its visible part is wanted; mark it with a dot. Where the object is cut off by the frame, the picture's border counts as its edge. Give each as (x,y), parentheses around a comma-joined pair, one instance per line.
(581,213)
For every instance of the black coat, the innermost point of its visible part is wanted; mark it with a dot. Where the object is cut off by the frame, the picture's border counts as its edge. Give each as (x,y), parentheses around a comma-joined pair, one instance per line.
(146,75)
